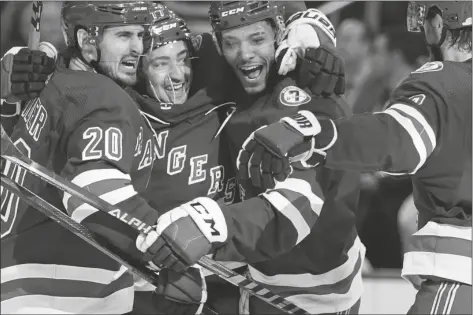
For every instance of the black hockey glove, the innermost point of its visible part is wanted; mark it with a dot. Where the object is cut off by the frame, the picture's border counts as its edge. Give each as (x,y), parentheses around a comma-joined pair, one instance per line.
(179,293)
(322,70)
(24,74)
(290,140)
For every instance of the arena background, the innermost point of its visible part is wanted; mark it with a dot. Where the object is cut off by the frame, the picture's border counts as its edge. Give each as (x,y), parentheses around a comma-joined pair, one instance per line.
(378,52)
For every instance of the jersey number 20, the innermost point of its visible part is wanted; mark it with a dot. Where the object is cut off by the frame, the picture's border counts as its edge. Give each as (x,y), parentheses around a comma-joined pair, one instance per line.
(108,143)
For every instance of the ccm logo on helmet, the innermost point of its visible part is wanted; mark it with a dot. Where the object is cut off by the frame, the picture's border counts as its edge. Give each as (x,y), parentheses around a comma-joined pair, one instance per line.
(233,11)
(166,27)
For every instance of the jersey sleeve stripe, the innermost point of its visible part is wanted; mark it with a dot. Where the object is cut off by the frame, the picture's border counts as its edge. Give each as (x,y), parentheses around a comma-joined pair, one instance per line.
(446,230)
(440,250)
(304,188)
(74,289)
(293,214)
(98,188)
(96,175)
(429,146)
(413,133)
(418,116)
(113,197)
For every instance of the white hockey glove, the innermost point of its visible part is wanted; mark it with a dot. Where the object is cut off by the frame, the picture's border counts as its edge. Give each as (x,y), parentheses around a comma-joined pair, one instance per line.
(292,139)
(301,34)
(185,234)
(310,37)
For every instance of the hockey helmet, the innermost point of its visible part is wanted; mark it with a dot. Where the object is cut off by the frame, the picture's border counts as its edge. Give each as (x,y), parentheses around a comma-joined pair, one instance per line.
(226,15)
(455,14)
(94,16)
(169,28)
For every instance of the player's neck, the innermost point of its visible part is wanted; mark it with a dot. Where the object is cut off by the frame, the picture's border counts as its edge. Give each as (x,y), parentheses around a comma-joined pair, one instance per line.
(77,64)
(454,54)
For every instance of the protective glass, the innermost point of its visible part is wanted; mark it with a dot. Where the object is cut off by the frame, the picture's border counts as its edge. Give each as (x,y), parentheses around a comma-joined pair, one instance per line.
(416,13)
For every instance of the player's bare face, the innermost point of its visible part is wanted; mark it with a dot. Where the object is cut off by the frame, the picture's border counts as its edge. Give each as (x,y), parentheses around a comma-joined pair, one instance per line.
(250,52)
(120,48)
(168,69)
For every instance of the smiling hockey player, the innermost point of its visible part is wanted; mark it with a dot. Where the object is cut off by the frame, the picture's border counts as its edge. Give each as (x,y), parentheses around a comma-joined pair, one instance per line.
(425,132)
(269,224)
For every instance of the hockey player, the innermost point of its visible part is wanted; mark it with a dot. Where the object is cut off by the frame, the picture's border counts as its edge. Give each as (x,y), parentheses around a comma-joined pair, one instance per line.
(284,215)
(86,127)
(425,132)
(170,117)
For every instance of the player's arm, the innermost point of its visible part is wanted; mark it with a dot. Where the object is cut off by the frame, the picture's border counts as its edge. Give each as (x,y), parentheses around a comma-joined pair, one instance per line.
(99,149)
(274,222)
(397,140)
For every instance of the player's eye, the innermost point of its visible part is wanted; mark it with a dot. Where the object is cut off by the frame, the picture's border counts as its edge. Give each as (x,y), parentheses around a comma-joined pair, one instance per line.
(161,65)
(258,40)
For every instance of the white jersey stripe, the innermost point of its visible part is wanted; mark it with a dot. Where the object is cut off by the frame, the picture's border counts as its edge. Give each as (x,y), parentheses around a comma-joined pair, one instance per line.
(321,303)
(412,131)
(304,188)
(119,302)
(293,214)
(93,176)
(311,280)
(26,271)
(113,197)
(452,267)
(445,230)
(415,114)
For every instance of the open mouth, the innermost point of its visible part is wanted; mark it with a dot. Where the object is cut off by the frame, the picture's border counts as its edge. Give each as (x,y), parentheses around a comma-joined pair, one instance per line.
(175,87)
(251,72)
(130,64)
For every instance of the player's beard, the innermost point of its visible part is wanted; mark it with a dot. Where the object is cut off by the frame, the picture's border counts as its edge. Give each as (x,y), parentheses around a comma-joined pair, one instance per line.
(118,73)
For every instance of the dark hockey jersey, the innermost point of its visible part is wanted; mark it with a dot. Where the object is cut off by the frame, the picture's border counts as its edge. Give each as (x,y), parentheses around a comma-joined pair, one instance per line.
(85,128)
(319,256)
(425,132)
(189,161)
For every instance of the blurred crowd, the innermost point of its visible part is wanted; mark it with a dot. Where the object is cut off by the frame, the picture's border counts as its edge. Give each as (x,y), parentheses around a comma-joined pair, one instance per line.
(379,53)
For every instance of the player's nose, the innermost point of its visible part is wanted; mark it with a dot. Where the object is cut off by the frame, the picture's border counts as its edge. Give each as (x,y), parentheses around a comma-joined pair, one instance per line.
(246,51)
(136,45)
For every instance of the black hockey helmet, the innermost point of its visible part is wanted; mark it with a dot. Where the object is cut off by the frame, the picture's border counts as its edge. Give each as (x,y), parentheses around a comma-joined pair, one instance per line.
(226,15)
(94,16)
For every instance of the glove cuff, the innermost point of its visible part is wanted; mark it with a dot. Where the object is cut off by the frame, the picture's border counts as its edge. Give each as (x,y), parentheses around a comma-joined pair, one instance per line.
(209,218)
(324,140)
(315,18)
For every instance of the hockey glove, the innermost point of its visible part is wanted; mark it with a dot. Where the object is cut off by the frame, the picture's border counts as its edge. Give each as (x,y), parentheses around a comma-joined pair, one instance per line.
(178,293)
(292,139)
(184,234)
(24,73)
(322,70)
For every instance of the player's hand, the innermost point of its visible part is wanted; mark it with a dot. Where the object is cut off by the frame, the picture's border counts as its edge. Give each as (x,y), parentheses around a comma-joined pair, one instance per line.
(266,154)
(322,70)
(24,73)
(181,293)
(185,234)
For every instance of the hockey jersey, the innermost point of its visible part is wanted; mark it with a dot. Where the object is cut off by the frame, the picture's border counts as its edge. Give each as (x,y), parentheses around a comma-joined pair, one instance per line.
(85,128)
(425,132)
(307,261)
(189,161)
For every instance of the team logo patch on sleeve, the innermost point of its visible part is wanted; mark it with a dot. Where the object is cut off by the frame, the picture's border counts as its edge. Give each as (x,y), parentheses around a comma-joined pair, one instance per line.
(293,96)
(430,67)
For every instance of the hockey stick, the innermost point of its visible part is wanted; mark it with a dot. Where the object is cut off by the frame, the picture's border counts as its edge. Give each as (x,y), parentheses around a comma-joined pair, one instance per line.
(33,38)
(10,153)
(78,229)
